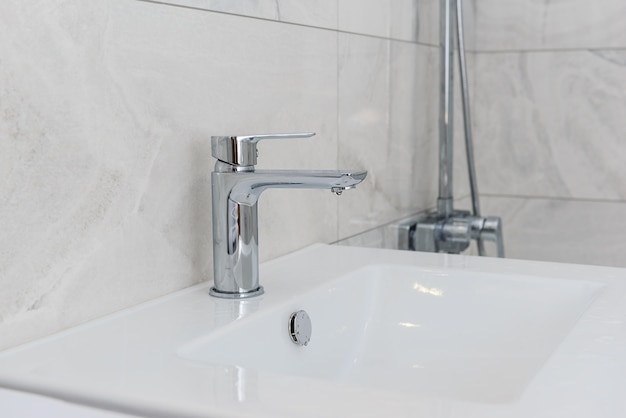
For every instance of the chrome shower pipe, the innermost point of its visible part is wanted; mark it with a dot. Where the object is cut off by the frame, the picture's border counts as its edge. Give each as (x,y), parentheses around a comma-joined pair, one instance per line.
(446,229)
(467,120)
(445,201)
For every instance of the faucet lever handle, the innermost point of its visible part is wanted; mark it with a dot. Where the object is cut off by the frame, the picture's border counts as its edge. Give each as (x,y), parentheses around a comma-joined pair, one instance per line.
(241,150)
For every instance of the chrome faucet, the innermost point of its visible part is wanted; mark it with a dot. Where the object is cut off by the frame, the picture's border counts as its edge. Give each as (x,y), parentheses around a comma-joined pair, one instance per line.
(236,187)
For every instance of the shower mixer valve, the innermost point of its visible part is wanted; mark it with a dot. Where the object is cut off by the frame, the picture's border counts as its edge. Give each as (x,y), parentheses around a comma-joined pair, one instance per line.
(448,230)
(452,234)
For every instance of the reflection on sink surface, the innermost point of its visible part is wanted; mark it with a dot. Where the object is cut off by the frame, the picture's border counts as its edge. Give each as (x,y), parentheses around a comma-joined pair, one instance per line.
(467,336)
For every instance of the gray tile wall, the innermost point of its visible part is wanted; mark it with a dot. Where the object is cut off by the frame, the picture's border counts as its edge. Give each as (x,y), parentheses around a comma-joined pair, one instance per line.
(106,114)
(549,106)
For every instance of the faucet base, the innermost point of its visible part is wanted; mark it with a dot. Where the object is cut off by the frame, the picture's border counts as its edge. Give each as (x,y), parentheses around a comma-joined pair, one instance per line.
(236,295)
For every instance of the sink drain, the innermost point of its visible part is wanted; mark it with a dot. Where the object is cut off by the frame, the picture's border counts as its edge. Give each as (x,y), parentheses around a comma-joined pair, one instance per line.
(300,328)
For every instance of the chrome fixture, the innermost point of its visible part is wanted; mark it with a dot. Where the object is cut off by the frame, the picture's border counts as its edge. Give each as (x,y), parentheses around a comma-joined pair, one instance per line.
(236,187)
(446,229)
(300,328)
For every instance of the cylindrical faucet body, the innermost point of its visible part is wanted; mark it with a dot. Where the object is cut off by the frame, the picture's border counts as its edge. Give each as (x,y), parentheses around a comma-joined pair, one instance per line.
(235,242)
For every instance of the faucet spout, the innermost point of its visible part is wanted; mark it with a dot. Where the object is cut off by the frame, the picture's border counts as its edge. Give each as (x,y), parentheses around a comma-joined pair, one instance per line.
(235,219)
(249,186)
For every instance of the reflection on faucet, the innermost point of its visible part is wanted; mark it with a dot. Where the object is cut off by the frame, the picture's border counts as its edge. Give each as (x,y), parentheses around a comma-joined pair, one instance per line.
(236,187)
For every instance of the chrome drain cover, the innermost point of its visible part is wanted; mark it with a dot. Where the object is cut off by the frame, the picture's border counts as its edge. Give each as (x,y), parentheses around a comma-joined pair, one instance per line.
(300,328)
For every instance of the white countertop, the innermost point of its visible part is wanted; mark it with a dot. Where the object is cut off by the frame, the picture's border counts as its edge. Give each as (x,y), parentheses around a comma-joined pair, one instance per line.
(127,362)
(15,404)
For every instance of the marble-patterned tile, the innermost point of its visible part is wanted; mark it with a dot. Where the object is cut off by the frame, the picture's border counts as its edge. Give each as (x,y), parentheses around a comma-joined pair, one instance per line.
(410,20)
(265,95)
(375,19)
(404,20)
(568,231)
(385,236)
(386,126)
(411,173)
(319,13)
(551,123)
(418,21)
(407,20)
(469,23)
(540,24)
(363,127)
(69,165)
(374,238)
(427,22)
(107,114)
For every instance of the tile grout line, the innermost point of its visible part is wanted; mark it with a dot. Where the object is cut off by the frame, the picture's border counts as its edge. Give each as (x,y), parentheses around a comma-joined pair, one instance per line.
(337,30)
(547,50)
(554,198)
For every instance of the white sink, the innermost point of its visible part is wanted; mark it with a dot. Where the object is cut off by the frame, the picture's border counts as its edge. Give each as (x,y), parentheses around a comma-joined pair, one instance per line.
(399,334)
(468,336)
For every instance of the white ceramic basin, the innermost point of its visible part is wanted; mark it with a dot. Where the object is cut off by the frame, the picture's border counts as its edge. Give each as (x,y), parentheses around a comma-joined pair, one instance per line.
(398,334)
(460,335)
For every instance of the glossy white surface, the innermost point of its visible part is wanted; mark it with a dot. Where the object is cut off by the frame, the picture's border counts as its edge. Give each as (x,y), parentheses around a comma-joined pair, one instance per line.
(499,338)
(14,404)
(454,335)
